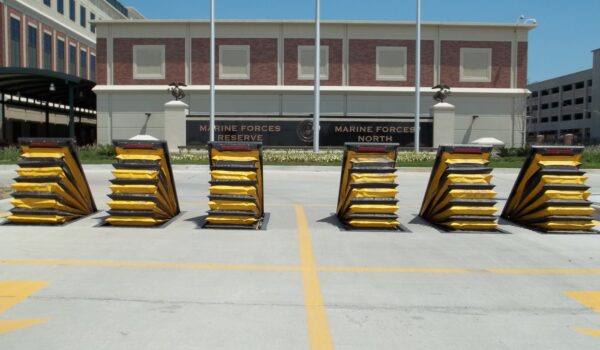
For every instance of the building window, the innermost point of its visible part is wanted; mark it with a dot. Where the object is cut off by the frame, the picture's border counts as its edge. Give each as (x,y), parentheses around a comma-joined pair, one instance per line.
(149,62)
(534,94)
(60,55)
(544,120)
(476,65)
(15,42)
(588,115)
(83,63)
(590,82)
(554,118)
(47,51)
(545,93)
(390,63)
(72,59)
(60,6)
(32,47)
(568,87)
(82,16)
(555,90)
(567,103)
(578,116)
(566,117)
(48,3)
(72,10)
(306,62)
(589,99)
(234,62)
(535,107)
(545,106)
(92,25)
(554,104)
(579,101)
(579,85)
(92,67)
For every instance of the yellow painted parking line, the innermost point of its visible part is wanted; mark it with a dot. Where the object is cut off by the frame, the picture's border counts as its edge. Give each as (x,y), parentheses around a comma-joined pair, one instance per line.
(11,326)
(201,266)
(461,270)
(12,293)
(590,299)
(592,332)
(316,317)
(391,270)
(152,265)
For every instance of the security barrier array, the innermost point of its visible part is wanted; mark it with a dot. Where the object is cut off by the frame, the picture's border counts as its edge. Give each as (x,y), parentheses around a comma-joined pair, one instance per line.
(550,194)
(51,187)
(459,195)
(367,194)
(143,190)
(236,185)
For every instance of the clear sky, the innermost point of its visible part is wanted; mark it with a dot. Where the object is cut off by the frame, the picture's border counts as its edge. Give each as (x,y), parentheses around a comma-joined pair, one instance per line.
(567,29)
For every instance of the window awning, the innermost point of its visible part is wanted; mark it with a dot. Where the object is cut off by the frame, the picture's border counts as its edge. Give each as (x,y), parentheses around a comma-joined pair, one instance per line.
(35,84)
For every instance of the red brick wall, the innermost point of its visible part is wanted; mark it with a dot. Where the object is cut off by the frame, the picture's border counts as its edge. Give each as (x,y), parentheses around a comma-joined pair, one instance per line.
(101,61)
(263,61)
(522,57)
(12,11)
(123,60)
(501,62)
(2,35)
(363,60)
(291,61)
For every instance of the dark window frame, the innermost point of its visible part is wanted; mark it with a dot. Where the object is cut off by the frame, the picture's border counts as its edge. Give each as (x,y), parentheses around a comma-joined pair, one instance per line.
(15,37)
(47,51)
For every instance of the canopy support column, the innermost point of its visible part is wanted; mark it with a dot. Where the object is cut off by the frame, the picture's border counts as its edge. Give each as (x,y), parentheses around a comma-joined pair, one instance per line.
(71,111)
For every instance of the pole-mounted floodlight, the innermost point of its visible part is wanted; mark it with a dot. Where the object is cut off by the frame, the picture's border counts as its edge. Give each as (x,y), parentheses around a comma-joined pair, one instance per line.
(212,71)
(418,80)
(317,77)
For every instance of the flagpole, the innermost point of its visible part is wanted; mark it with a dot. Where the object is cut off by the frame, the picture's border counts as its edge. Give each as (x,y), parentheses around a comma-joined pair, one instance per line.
(418,80)
(212,71)
(317,77)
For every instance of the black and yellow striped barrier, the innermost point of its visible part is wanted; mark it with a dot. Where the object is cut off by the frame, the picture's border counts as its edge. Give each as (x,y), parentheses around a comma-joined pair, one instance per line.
(367,194)
(143,190)
(459,195)
(236,185)
(51,187)
(550,194)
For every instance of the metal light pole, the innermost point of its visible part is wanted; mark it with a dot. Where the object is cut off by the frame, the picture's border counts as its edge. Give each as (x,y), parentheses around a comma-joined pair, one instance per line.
(212,71)
(317,78)
(418,80)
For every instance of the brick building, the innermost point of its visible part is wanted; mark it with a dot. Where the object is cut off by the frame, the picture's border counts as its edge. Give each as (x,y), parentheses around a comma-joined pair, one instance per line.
(50,36)
(265,71)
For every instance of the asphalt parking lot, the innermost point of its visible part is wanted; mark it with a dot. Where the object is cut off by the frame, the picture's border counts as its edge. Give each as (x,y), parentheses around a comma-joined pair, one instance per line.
(303,283)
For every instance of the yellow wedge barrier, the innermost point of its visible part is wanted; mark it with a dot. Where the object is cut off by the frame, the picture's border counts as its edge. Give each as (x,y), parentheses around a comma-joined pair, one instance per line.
(143,188)
(550,194)
(460,195)
(236,185)
(367,194)
(51,187)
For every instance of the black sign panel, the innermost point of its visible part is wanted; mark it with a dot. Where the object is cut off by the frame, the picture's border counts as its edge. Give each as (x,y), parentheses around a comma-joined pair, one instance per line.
(298,132)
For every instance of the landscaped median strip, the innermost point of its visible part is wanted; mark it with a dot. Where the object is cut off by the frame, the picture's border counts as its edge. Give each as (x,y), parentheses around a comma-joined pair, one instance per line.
(358,269)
